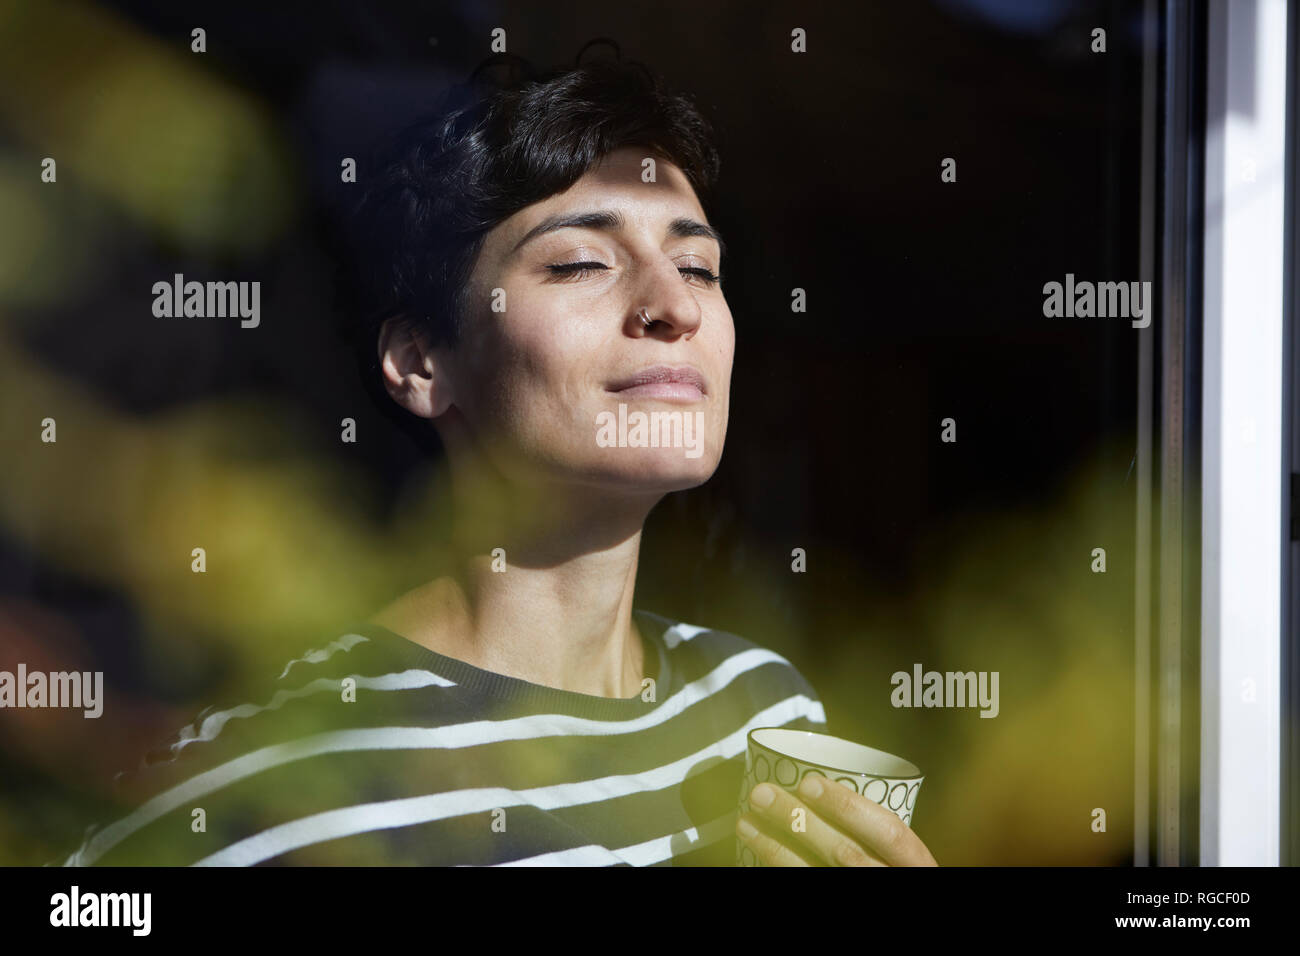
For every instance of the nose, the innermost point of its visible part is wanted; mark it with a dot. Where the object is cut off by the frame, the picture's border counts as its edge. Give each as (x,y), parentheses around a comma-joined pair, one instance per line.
(664,296)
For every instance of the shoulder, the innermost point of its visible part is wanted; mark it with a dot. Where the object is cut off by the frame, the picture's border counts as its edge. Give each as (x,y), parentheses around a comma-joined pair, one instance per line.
(308,679)
(215,761)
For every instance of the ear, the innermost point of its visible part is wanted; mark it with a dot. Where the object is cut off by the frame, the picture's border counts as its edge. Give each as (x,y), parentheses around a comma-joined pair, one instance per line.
(414,374)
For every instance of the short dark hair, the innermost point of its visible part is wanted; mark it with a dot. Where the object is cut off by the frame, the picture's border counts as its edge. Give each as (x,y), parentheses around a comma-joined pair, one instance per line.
(503,140)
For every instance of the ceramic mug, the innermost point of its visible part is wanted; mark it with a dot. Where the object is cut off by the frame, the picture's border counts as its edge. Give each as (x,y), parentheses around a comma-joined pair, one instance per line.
(784,757)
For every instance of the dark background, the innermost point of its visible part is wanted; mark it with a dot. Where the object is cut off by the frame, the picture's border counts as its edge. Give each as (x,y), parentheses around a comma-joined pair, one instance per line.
(924,302)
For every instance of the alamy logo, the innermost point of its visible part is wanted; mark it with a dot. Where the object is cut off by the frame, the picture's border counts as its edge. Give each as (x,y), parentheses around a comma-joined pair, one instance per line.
(102,909)
(948,689)
(651,430)
(1085,300)
(178,298)
(57,689)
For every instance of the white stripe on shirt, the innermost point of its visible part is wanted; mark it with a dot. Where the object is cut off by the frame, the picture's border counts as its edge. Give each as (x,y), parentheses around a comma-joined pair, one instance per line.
(344,643)
(212,725)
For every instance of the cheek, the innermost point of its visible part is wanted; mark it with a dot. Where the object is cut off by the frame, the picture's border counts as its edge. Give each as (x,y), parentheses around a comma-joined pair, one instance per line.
(534,371)
(727,351)
(724,349)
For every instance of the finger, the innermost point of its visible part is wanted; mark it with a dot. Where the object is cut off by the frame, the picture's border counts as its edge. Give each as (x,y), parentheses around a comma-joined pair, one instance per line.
(876,828)
(787,814)
(769,850)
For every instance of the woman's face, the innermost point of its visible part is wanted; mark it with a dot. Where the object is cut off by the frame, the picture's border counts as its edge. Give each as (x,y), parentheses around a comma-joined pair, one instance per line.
(550,350)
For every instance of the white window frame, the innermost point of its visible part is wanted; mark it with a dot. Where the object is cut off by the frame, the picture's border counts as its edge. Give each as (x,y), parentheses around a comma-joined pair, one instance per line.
(1243,444)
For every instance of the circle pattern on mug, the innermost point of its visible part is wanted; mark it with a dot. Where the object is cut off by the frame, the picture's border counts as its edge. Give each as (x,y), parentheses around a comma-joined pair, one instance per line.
(900,791)
(761,769)
(911,796)
(786,772)
(871,792)
(848,782)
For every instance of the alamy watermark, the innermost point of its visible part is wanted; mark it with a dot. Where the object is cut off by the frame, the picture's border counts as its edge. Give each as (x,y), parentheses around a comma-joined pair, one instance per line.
(181,299)
(651,430)
(1085,300)
(56,689)
(946,689)
(74,908)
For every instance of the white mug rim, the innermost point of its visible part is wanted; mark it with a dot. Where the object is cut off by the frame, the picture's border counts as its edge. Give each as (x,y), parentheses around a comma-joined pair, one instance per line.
(918,775)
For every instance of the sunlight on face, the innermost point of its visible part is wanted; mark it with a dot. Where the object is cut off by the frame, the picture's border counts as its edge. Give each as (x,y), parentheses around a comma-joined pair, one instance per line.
(543,375)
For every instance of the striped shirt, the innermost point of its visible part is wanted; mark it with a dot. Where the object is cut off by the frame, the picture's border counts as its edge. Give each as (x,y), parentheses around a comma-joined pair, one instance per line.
(375,750)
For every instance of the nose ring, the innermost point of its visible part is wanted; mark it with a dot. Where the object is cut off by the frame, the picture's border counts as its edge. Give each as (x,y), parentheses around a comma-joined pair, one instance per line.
(644,316)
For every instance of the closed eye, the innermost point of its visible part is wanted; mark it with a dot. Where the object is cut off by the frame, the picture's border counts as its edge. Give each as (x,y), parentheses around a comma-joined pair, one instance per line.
(705,274)
(580,269)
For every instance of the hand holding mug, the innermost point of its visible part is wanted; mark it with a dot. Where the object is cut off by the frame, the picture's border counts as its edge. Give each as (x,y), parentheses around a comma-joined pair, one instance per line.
(840,828)
(810,799)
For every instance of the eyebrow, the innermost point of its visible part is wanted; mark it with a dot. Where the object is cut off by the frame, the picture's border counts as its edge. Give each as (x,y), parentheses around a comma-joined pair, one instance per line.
(682,227)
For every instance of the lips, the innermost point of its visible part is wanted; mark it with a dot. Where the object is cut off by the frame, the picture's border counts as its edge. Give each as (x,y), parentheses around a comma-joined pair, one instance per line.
(663,382)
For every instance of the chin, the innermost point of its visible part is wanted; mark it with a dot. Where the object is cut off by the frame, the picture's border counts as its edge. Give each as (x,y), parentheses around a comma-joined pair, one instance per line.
(654,470)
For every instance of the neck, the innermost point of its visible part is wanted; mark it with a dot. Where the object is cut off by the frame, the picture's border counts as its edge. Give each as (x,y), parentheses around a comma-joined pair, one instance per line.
(536,584)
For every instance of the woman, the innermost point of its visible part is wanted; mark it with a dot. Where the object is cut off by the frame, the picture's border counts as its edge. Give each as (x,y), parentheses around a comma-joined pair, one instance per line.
(546,296)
